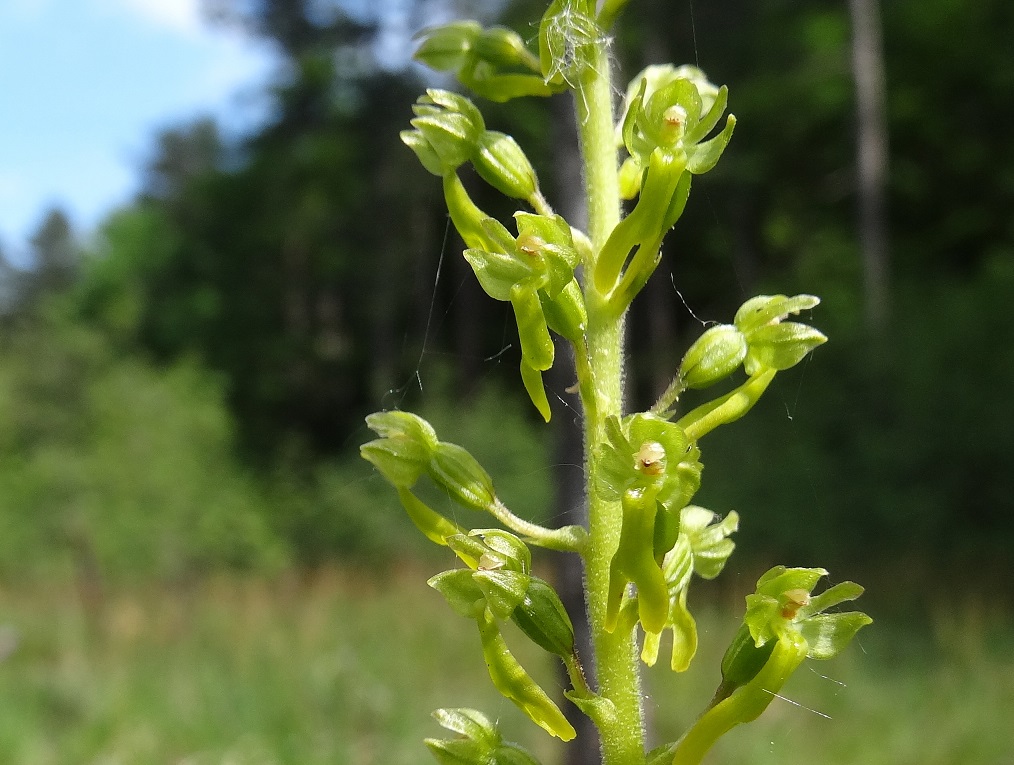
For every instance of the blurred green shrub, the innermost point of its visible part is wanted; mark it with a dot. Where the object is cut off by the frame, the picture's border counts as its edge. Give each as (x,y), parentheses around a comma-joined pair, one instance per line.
(110,464)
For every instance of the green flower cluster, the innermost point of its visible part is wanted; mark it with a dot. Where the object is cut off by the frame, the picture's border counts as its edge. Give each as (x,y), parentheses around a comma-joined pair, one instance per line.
(645,541)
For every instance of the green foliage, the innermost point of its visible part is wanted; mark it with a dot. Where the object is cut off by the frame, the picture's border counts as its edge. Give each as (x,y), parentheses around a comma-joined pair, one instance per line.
(313,670)
(118,467)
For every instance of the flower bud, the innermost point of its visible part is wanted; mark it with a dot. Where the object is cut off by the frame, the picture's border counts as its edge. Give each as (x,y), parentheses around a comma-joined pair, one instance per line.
(715,355)
(405,448)
(446,47)
(503,48)
(447,130)
(503,165)
(458,473)
(542,617)
(742,661)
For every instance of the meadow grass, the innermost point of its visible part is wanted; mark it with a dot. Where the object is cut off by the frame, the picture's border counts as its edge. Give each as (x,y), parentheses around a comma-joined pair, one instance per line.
(343,667)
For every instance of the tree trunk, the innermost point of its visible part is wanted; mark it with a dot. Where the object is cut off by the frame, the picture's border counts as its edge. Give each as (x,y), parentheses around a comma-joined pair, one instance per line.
(871,158)
(571,503)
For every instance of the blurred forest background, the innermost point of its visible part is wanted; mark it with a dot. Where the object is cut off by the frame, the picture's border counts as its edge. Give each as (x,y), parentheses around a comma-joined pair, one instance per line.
(182,392)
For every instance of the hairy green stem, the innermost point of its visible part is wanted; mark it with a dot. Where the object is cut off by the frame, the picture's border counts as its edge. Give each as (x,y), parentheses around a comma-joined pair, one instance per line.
(617,671)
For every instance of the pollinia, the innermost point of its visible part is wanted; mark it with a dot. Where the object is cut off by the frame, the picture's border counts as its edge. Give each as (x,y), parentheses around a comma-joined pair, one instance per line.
(645,541)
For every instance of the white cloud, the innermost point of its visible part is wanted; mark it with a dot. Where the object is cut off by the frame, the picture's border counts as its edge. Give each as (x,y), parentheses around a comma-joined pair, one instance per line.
(180,16)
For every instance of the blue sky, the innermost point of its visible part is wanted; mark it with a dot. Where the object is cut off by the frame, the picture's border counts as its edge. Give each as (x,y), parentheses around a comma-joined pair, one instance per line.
(84,85)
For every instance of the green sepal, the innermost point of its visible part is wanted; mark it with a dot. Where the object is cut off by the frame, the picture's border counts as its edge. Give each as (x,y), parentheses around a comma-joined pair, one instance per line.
(424,150)
(516,685)
(678,563)
(491,550)
(504,590)
(401,463)
(498,273)
(460,591)
(470,723)
(615,462)
(762,310)
(827,635)
(458,751)
(542,617)
(832,596)
(508,550)
(468,547)
(709,540)
(549,238)
(459,474)
(719,101)
(532,379)
(449,136)
(715,355)
(781,346)
(609,11)
(704,156)
(432,524)
(500,162)
(406,426)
